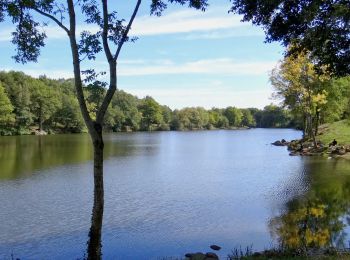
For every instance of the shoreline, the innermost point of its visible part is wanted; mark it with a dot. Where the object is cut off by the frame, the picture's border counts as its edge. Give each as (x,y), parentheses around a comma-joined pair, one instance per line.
(301,147)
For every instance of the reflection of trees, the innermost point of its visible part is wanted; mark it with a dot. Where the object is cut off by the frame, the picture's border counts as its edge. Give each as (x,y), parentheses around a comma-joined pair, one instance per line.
(21,155)
(315,221)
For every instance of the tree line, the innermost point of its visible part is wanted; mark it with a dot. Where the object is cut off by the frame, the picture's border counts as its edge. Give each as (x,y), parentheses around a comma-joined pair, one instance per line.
(30,104)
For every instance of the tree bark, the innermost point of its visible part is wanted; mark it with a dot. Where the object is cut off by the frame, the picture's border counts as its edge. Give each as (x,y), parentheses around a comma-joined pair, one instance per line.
(94,244)
(317,123)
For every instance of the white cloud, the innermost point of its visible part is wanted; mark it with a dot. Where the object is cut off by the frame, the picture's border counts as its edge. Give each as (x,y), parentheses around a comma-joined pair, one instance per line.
(131,68)
(242,31)
(205,66)
(52,31)
(50,73)
(5,35)
(184,22)
(207,97)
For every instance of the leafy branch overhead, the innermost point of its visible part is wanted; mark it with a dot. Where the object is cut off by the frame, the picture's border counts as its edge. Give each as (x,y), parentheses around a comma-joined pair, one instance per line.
(29,36)
(322,27)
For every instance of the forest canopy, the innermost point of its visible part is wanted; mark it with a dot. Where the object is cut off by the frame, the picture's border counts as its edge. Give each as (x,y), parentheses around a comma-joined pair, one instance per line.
(31,105)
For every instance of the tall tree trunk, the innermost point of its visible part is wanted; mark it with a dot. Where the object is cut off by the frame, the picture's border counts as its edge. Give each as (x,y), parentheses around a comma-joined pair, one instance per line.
(305,126)
(94,244)
(40,119)
(311,132)
(317,123)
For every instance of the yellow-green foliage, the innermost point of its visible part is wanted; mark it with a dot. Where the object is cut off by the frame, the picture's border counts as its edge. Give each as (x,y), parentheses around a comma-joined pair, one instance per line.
(339,130)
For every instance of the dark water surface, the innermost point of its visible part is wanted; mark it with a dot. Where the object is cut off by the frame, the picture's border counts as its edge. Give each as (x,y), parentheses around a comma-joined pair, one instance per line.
(167,194)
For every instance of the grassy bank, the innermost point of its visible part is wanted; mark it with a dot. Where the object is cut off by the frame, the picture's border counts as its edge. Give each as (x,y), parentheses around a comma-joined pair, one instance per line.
(339,130)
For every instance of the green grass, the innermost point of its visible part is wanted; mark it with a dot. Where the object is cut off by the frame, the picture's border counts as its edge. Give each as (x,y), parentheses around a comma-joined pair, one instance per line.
(339,131)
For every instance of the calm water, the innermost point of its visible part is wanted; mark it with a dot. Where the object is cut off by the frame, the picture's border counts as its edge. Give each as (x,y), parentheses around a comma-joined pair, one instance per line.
(167,194)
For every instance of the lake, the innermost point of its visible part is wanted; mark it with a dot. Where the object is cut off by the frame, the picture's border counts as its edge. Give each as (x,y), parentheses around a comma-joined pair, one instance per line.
(167,194)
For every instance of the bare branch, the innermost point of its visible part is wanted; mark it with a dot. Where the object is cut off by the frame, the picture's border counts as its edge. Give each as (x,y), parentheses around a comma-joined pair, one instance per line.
(60,24)
(105,32)
(125,35)
(110,92)
(77,71)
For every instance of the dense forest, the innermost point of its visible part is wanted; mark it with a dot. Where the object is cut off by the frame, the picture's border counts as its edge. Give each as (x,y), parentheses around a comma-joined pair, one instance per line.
(29,105)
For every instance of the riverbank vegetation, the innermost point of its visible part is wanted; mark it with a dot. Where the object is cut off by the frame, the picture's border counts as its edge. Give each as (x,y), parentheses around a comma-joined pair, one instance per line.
(313,97)
(30,105)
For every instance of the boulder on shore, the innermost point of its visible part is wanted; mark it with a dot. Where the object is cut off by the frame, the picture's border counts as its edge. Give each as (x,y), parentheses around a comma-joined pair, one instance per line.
(280,143)
(201,256)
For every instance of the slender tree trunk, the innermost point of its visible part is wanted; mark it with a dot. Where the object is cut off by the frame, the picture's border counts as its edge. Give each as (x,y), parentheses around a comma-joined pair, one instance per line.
(40,119)
(317,123)
(94,244)
(311,132)
(304,126)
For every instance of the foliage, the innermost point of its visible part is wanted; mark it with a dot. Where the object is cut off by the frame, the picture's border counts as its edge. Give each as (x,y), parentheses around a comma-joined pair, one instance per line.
(234,116)
(151,113)
(322,27)
(301,89)
(7,118)
(52,105)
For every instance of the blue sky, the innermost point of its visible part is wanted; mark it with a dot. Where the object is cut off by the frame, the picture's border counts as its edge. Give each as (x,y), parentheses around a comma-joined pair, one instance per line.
(184,58)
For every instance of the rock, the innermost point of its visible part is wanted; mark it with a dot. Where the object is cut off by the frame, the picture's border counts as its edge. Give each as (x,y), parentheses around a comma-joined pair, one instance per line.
(341,151)
(278,143)
(197,256)
(215,247)
(39,132)
(201,256)
(211,256)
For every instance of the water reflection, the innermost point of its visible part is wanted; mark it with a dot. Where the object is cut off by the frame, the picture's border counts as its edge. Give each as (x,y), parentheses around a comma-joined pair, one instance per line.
(22,156)
(318,218)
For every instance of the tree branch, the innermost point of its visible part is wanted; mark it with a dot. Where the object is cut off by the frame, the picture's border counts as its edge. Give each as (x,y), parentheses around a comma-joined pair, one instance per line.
(127,29)
(112,60)
(52,18)
(110,92)
(77,70)
(105,32)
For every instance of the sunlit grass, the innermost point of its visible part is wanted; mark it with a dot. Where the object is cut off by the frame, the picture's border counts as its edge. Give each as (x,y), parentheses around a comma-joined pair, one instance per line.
(339,130)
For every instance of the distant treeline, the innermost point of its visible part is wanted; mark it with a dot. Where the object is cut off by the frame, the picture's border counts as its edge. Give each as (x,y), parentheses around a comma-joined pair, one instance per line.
(28,104)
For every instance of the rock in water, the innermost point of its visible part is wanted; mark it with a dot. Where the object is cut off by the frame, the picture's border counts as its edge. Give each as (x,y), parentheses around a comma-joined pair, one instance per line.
(211,256)
(215,247)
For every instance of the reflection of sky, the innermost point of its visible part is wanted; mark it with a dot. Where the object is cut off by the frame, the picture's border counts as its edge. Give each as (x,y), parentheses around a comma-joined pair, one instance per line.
(184,192)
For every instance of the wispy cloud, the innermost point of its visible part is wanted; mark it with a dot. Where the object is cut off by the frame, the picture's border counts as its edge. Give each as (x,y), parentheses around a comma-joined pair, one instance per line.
(5,35)
(132,68)
(242,31)
(205,66)
(207,96)
(184,22)
(51,73)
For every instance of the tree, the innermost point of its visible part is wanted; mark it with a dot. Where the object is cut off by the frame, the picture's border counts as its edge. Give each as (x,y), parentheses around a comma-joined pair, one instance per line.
(127,104)
(112,31)
(217,119)
(6,116)
(17,88)
(273,116)
(302,89)
(322,27)
(44,102)
(234,116)
(248,119)
(151,113)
